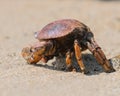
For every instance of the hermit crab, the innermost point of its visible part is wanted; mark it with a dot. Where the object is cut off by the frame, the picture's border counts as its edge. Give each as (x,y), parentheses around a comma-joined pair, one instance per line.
(65,37)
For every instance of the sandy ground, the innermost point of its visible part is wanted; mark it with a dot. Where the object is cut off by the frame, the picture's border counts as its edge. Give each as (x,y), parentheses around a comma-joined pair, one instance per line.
(19,19)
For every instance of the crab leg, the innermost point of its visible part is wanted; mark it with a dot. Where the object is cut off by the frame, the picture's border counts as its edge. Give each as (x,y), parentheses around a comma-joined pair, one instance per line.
(69,62)
(99,55)
(78,56)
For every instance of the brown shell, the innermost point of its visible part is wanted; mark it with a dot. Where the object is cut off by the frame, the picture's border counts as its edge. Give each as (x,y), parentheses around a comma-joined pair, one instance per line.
(58,28)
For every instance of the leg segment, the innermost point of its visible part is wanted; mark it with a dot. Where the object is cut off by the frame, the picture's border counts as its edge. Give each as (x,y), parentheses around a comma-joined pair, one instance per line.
(99,55)
(69,62)
(78,56)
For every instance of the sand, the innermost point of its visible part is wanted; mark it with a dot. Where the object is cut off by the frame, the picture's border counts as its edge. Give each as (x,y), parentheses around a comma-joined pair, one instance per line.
(19,19)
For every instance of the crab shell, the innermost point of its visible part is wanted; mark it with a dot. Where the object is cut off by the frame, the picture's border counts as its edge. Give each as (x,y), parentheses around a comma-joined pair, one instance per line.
(58,29)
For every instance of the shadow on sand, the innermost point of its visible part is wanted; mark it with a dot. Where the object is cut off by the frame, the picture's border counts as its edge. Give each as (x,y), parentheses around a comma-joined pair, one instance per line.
(89,61)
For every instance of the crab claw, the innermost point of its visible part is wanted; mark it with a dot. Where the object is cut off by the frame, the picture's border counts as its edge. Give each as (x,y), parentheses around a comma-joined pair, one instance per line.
(44,59)
(99,55)
(29,55)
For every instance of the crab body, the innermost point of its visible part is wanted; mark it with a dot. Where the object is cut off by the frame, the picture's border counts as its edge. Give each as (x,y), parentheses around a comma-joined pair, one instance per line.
(65,37)
(64,32)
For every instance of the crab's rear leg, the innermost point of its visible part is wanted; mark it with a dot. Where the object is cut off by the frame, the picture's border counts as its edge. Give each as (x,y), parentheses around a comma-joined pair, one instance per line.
(79,56)
(98,53)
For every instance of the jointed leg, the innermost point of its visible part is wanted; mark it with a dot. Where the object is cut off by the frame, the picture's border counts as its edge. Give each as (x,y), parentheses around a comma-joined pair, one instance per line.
(78,56)
(98,53)
(69,62)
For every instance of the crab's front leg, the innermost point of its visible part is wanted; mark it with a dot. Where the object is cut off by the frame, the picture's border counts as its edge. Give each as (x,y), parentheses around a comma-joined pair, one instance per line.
(99,54)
